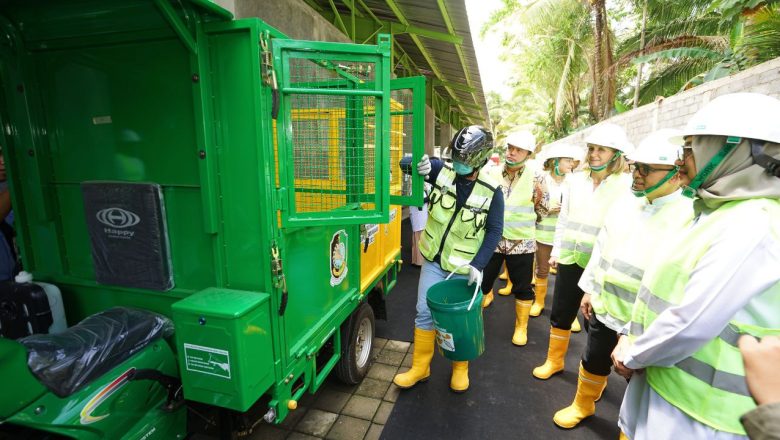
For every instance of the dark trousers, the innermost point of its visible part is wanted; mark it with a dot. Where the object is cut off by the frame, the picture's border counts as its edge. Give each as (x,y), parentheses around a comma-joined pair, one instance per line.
(520,269)
(597,358)
(567,296)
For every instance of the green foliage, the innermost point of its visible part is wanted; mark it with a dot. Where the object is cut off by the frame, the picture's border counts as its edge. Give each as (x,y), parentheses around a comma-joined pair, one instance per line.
(557,55)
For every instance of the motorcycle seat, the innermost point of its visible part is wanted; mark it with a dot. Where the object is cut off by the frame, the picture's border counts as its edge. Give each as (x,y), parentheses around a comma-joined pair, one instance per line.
(67,361)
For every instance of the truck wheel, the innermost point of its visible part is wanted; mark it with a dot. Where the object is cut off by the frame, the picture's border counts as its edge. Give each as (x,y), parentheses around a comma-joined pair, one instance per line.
(357,339)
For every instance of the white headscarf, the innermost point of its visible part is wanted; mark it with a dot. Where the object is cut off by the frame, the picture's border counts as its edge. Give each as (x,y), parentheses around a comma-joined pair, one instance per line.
(738,177)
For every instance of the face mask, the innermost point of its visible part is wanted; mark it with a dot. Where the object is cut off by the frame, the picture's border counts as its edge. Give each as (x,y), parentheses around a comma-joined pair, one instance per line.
(462,169)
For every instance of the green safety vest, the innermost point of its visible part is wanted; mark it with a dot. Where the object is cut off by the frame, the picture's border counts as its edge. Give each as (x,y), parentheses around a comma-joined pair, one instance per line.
(630,248)
(545,229)
(519,213)
(587,209)
(456,238)
(710,385)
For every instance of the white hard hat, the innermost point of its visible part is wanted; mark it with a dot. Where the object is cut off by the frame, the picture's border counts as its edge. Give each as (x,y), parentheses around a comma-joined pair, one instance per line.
(522,139)
(560,150)
(661,147)
(609,135)
(746,115)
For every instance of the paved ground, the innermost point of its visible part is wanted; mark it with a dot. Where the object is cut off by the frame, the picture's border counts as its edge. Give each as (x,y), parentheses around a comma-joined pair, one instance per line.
(503,402)
(343,412)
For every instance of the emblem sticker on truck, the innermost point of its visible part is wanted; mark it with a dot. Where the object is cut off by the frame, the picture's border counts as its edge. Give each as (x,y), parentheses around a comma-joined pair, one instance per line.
(207,360)
(338,257)
(101,396)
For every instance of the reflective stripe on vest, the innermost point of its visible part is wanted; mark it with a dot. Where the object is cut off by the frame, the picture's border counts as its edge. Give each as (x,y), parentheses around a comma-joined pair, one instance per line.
(545,230)
(631,243)
(587,209)
(456,238)
(708,386)
(519,213)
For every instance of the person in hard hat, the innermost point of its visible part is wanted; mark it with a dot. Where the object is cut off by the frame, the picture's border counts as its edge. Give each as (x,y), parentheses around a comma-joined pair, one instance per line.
(587,197)
(465,221)
(525,198)
(716,282)
(558,162)
(625,246)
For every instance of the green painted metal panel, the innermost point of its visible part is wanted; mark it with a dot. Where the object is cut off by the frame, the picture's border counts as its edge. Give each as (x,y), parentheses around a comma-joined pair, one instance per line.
(134,117)
(224,345)
(316,295)
(244,157)
(407,121)
(20,386)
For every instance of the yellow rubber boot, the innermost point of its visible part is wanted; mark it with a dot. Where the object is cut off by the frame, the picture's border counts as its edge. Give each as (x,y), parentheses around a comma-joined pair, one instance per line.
(540,290)
(575,326)
(504,275)
(522,308)
(556,352)
(589,387)
(504,291)
(460,376)
(487,299)
(421,359)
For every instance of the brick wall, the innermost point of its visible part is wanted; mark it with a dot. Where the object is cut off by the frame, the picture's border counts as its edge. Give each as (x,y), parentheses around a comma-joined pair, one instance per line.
(674,111)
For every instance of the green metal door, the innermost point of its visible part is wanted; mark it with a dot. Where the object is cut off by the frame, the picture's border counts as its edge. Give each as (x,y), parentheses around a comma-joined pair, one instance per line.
(407,137)
(333,132)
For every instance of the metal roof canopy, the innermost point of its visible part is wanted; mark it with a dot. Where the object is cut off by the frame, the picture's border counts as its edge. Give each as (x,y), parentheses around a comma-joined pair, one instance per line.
(430,37)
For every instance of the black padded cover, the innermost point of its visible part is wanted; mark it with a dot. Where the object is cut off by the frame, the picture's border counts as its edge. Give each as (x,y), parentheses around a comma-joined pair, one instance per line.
(67,361)
(24,310)
(126,224)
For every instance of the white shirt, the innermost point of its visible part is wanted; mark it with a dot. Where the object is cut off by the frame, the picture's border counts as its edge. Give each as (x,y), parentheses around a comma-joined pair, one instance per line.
(730,276)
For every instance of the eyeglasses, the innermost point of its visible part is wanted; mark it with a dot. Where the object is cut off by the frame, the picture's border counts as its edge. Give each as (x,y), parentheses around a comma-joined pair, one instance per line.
(645,169)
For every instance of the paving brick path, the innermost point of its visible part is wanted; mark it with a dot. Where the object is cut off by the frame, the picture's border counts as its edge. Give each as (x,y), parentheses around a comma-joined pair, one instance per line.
(344,412)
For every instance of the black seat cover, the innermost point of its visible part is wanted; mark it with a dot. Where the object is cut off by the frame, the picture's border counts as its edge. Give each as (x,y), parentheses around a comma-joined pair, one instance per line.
(67,361)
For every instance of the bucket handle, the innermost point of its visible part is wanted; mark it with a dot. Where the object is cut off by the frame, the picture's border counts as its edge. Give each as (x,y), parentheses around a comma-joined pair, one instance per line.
(476,287)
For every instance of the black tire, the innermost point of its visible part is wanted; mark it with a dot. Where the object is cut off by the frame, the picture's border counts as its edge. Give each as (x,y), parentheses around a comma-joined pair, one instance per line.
(357,340)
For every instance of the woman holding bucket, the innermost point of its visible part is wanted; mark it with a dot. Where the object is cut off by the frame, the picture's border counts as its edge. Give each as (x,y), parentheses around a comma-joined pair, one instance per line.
(587,197)
(465,221)
(558,161)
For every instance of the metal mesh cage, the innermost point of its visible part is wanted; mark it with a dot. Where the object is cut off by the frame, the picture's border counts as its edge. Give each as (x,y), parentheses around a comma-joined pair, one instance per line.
(401,139)
(332,135)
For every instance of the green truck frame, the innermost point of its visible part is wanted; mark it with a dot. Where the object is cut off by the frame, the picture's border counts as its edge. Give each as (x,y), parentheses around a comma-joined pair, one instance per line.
(211,109)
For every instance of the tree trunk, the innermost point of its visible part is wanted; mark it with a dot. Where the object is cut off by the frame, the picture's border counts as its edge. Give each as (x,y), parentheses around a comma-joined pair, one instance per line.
(603,83)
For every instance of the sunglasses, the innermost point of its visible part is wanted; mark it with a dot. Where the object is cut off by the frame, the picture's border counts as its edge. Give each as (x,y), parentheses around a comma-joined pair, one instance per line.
(645,169)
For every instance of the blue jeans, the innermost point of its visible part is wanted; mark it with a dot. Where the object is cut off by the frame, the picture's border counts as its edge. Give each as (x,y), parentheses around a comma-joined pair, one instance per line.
(430,274)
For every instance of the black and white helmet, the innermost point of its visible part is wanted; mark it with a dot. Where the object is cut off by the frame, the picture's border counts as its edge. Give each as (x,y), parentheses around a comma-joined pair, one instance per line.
(472,146)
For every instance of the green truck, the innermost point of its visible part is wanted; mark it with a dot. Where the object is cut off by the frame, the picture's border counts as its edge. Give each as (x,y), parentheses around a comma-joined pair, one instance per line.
(219,206)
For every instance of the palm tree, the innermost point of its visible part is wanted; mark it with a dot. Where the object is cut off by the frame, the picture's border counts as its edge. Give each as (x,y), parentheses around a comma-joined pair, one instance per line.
(689,43)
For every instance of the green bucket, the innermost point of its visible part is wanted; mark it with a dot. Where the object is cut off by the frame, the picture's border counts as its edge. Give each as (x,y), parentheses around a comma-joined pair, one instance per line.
(457,317)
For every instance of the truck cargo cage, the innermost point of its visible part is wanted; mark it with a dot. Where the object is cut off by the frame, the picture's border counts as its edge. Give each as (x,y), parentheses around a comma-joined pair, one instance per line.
(334,127)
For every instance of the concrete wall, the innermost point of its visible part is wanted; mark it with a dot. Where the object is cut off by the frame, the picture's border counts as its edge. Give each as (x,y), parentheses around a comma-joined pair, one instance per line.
(293,17)
(674,112)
